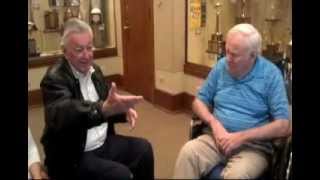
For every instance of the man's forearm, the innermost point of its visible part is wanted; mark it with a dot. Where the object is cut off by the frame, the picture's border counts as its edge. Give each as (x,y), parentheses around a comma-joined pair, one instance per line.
(204,114)
(275,129)
(202,111)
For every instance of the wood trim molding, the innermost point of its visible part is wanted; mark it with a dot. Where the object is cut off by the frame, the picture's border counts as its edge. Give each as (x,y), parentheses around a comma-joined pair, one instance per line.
(174,103)
(35,96)
(168,101)
(196,70)
(34,62)
(117,78)
(187,102)
(100,53)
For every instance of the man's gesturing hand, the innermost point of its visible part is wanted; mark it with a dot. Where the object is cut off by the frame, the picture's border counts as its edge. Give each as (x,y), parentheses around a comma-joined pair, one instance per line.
(116,103)
(132,117)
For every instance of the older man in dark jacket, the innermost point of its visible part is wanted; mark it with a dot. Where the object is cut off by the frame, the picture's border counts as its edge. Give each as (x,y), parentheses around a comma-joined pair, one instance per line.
(80,109)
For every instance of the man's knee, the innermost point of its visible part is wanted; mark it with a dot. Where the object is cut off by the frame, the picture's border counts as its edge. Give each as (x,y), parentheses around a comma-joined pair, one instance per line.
(244,171)
(241,174)
(188,153)
(144,146)
(118,172)
(188,149)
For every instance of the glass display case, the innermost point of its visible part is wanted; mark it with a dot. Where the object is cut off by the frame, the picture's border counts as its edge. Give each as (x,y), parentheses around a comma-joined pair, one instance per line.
(45,24)
(271,17)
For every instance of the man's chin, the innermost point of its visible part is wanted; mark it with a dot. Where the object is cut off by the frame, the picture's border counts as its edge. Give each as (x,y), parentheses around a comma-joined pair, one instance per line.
(234,74)
(84,70)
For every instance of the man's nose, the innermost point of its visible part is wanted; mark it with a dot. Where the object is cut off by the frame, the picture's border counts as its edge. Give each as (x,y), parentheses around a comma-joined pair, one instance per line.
(87,54)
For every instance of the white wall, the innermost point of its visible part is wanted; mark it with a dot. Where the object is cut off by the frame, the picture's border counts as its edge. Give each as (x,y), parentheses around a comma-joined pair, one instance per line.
(169,45)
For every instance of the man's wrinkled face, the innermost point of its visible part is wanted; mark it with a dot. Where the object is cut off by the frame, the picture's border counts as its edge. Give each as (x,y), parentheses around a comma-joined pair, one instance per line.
(79,51)
(239,58)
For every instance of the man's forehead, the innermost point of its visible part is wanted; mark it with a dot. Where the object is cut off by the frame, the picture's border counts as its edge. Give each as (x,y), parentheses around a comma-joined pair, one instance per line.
(237,41)
(81,38)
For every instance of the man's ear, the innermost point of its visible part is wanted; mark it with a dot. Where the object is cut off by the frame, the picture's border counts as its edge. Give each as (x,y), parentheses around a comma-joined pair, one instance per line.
(253,55)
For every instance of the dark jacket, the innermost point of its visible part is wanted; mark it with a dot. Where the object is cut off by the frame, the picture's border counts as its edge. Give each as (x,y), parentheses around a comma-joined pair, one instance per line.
(68,117)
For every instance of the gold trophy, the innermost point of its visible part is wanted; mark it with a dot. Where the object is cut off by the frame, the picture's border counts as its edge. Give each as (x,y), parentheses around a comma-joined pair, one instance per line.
(273,48)
(32,46)
(51,20)
(98,27)
(72,9)
(243,18)
(216,43)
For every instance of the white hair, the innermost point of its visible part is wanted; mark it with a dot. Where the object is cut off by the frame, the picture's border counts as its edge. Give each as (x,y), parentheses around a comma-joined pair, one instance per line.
(74,25)
(252,34)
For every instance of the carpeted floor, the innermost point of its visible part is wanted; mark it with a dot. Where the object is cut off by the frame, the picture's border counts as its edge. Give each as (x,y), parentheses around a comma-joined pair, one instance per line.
(166,131)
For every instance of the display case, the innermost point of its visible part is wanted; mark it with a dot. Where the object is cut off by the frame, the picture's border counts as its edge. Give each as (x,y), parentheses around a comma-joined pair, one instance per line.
(48,16)
(272,18)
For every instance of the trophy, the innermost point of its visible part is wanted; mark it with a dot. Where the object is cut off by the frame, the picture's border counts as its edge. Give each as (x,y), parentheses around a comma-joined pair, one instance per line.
(273,48)
(55,3)
(216,43)
(97,24)
(67,14)
(32,46)
(72,9)
(243,17)
(51,20)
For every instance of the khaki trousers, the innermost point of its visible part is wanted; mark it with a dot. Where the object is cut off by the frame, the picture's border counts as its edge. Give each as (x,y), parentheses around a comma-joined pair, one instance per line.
(198,156)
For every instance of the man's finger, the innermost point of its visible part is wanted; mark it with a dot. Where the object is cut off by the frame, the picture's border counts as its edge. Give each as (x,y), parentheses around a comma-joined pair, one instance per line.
(132,119)
(135,114)
(131,98)
(130,101)
(113,89)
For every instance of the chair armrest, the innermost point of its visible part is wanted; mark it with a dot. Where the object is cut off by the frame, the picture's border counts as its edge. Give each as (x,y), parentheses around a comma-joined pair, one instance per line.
(280,161)
(196,127)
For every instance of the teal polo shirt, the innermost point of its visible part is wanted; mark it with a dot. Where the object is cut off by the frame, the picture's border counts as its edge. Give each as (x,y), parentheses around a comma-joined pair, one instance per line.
(240,104)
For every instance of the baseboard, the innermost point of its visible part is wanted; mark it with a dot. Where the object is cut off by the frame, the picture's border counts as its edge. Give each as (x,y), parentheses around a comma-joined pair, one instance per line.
(35,96)
(117,78)
(174,103)
(187,102)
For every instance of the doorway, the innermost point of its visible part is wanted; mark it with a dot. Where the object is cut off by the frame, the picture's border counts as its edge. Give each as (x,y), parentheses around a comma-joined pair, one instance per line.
(138,47)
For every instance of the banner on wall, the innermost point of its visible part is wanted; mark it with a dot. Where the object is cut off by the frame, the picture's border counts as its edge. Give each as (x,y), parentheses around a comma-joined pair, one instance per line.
(197,14)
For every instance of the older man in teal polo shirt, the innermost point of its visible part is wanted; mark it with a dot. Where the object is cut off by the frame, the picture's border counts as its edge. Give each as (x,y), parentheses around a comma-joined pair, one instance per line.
(244,103)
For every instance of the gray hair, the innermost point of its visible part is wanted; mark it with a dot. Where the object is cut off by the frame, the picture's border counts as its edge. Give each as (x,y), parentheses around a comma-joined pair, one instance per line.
(74,25)
(253,36)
